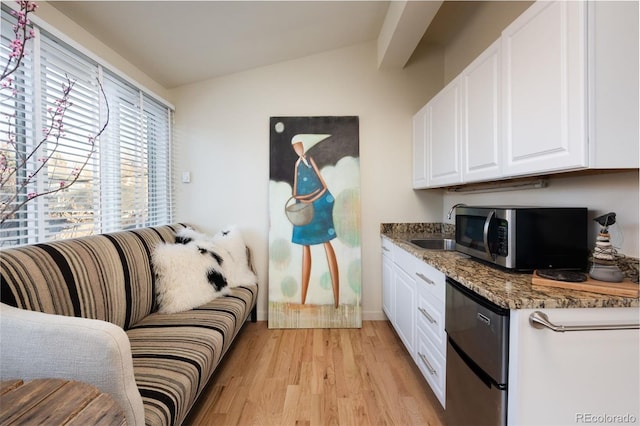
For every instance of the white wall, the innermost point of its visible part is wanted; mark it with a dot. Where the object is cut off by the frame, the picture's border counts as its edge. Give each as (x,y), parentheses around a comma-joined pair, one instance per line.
(223,127)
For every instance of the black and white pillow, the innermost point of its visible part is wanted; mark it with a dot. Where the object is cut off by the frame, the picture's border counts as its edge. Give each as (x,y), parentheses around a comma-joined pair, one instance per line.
(187,276)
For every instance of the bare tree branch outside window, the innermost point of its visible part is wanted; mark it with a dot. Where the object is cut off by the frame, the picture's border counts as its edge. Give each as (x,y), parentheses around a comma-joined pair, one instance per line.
(20,167)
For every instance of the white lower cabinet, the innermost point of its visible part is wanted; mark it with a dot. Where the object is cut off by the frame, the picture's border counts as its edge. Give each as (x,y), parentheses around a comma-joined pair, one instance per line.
(555,378)
(387,280)
(432,364)
(413,298)
(430,319)
(576,377)
(405,302)
(431,339)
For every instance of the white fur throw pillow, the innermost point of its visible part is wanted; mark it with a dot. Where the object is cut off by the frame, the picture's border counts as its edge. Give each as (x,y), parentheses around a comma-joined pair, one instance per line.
(188,276)
(237,268)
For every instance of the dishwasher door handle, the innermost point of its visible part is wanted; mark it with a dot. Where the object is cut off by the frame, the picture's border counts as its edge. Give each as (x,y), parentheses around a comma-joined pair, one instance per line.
(540,320)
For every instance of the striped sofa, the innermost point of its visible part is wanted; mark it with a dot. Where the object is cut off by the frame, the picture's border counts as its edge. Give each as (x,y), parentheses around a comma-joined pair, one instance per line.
(84,309)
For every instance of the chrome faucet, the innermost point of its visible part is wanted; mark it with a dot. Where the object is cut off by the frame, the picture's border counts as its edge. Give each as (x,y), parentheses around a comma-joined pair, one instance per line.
(453,208)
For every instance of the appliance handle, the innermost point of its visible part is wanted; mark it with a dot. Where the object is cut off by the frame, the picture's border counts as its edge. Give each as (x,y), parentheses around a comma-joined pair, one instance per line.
(487,223)
(540,320)
(475,368)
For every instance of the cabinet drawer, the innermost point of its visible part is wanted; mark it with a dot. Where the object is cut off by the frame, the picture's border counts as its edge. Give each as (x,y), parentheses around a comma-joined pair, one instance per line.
(430,320)
(424,275)
(387,248)
(405,260)
(430,280)
(432,365)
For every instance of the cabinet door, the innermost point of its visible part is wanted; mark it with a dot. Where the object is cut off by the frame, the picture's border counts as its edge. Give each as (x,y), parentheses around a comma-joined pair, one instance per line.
(405,307)
(387,285)
(613,97)
(575,376)
(481,147)
(443,137)
(543,71)
(420,149)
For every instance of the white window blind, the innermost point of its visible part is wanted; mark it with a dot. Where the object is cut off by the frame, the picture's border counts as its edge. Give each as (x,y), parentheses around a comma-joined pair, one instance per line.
(17,131)
(157,131)
(70,153)
(122,179)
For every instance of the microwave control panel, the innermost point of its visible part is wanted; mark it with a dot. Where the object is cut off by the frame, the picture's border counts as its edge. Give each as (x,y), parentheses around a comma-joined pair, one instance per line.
(502,239)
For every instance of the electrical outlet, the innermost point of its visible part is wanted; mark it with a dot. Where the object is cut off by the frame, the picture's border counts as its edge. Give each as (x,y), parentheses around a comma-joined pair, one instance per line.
(186,177)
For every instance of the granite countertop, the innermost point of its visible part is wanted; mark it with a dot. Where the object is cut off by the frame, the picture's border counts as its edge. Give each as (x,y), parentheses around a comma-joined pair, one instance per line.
(512,290)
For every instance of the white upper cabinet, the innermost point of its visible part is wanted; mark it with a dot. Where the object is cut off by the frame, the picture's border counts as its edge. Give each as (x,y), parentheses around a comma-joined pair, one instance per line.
(436,140)
(544,89)
(457,134)
(613,84)
(420,149)
(443,137)
(557,92)
(481,141)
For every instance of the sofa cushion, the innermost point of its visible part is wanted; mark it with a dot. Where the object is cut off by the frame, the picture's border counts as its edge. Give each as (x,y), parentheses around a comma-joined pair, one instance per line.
(106,277)
(174,355)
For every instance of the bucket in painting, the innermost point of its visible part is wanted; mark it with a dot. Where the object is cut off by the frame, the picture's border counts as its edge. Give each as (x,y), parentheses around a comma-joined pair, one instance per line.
(298,213)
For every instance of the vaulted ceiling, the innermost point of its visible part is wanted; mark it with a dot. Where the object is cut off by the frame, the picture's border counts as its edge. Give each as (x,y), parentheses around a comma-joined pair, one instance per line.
(181,42)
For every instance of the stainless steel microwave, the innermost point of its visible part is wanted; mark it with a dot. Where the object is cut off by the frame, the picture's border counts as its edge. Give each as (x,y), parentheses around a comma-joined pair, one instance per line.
(524,238)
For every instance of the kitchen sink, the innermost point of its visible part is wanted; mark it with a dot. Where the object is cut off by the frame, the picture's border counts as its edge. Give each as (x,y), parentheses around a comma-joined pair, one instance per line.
(435,243)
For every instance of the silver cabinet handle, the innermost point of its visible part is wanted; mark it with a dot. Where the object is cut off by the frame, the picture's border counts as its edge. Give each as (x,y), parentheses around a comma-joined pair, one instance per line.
(385,249)
(424,359)
(540,320)
(427,280)
(424,312)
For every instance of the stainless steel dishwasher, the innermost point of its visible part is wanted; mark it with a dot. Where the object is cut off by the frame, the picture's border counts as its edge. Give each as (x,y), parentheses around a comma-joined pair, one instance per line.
(477,358)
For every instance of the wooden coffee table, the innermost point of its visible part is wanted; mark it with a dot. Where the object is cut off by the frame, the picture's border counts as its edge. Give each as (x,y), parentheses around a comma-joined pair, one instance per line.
(56,402)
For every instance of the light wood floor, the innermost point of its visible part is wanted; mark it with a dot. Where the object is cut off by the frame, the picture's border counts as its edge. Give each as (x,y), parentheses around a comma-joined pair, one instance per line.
(317,377)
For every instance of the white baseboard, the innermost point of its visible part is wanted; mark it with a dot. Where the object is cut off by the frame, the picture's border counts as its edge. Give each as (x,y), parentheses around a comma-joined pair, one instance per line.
(366,316)
(374,316)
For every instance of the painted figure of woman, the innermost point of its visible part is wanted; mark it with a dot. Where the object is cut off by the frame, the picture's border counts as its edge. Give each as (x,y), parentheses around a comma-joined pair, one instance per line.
(310,187)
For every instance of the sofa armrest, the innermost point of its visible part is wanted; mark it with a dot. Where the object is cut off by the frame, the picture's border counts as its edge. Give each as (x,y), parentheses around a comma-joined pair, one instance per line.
(38,345)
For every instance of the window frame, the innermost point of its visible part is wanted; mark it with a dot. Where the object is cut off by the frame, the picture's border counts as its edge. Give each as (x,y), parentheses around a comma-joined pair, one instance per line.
(35,213)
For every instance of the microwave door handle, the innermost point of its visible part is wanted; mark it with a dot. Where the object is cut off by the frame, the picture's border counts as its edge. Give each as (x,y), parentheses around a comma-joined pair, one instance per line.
(487,223)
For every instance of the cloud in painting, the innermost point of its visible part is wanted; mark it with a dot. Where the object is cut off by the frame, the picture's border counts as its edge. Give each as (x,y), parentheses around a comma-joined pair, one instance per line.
(285,258)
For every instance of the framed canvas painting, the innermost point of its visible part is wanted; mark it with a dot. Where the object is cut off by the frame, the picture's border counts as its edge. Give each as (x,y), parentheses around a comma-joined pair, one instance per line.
(314,223)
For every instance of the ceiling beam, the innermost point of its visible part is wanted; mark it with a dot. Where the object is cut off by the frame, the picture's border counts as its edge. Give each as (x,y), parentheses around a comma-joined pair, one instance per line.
(404,25)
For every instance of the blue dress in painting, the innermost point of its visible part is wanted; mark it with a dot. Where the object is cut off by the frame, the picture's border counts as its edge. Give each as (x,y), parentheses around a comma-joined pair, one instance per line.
(320,229)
